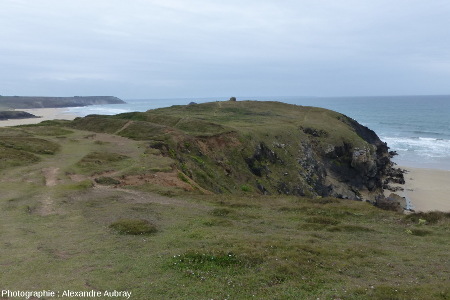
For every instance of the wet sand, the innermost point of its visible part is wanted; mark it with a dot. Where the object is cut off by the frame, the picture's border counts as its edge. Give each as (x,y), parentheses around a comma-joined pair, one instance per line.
(427,189)
(44,114)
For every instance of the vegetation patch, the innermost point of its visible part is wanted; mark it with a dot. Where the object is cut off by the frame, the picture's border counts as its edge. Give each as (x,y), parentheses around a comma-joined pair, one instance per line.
(221,212)
(100,161)
(139,130)
(29,144)
(350,228)
(419,232)
(324,200)
(134,227)
(82,185)
(97,123)
(212,261)
(217,222)
(10,131)
(246,188)
(182,177)
(107,180)
(13,158)
(322,220)
(48,130)
(432,217)
(402,292)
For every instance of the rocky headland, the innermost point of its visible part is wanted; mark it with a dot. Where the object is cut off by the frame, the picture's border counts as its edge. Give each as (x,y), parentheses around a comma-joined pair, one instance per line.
(264,148)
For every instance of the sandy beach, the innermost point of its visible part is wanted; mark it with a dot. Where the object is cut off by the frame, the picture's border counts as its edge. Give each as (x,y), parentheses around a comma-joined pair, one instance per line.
(427,189)
(44,114)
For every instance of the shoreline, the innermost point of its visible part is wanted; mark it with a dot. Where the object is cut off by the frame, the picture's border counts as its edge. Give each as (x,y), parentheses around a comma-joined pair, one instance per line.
(426,189)
(43,114)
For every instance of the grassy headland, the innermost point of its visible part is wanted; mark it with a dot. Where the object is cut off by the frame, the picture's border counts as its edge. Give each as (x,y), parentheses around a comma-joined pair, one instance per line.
(168,204)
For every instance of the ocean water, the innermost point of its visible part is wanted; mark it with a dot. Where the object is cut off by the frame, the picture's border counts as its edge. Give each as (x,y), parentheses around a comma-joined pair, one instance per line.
(417,127)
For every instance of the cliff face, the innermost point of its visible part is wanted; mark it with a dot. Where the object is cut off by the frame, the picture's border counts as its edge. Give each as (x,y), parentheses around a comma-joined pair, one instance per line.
(262,147)
(48,102)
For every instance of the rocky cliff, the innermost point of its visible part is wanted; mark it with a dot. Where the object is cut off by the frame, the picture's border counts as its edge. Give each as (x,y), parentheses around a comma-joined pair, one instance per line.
(262,147)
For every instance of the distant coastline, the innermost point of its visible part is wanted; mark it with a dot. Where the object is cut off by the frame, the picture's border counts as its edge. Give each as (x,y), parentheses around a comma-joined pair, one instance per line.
(27,102)
(14,107)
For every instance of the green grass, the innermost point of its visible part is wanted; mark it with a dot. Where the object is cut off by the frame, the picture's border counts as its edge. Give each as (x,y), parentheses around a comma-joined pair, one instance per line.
(29,144)
(96,162)
(12,157)
(47,130)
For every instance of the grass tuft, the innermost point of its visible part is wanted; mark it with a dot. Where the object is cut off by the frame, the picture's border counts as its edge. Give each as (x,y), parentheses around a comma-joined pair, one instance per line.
(212,260)
(322,220)
(221,212)
(107,180)
(350,228)
(134,227)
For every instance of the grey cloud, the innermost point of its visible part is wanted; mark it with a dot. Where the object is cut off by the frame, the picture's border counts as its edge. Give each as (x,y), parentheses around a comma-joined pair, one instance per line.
(175,48)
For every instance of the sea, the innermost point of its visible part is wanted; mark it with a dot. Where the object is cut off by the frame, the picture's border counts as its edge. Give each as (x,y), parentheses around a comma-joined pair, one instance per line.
(416,127)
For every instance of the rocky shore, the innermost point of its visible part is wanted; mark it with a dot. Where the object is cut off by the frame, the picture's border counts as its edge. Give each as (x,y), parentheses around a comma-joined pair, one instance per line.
(13,114)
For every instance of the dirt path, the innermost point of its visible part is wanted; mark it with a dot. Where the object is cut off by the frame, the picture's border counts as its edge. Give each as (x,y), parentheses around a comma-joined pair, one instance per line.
(50,175)
(124,126)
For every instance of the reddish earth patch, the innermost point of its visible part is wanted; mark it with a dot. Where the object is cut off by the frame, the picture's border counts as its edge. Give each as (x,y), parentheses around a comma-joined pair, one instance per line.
(168,179)
(160,178)
(211,144)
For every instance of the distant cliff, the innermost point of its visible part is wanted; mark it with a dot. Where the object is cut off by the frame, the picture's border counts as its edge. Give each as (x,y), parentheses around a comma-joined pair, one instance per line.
(49,102)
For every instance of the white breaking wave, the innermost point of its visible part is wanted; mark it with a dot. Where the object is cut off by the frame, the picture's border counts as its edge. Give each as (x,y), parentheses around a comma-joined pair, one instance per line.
(422,146)
(96,110)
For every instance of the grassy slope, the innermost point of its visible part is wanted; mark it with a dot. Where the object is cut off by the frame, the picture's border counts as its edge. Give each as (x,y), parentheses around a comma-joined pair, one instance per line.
(207,246)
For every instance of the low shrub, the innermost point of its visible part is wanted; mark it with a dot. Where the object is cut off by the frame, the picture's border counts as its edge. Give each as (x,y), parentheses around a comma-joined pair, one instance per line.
(107,181)
(246,188)
(221,212)
(213,260)
(419,232)
(350,228)
(134,227)
(322,220)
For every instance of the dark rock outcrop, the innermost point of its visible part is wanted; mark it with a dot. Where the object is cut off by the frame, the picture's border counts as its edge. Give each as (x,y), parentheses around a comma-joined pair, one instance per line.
(11,114)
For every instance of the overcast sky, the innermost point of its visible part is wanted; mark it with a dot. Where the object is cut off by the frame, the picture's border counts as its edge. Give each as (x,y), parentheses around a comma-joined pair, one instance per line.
(201,48)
